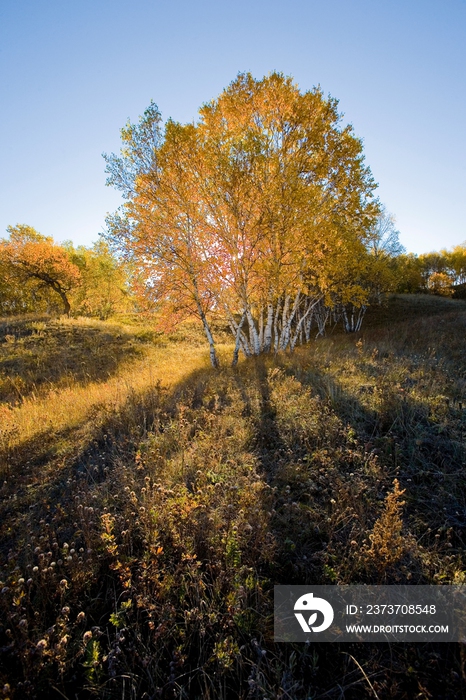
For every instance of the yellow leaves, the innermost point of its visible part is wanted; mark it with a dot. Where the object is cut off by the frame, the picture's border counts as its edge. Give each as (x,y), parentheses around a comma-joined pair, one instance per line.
(108,523)
(34,260)
(263,193)
(388,544)
(440,283)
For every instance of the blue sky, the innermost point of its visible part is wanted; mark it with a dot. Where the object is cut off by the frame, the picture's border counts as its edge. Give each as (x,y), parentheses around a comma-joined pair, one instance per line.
(72,73)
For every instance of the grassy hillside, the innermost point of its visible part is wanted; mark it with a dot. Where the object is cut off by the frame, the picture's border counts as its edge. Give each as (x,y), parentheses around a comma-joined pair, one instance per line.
(149,504)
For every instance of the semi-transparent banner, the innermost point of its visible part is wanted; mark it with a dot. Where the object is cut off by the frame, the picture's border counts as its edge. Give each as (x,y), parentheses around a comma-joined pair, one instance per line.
(370,613)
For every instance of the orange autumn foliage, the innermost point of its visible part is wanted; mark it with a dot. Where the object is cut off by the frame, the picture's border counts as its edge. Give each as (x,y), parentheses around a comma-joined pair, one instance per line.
(260,211)
(28,257)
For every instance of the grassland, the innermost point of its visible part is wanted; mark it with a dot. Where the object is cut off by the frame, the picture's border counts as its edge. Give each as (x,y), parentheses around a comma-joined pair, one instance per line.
(149,504)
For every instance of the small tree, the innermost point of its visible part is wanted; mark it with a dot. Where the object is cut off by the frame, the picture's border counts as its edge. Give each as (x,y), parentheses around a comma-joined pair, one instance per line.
(440,283)
(384,247)
(30,257)
(384,238)
(104,288)
(408,274)
(432,264)
(456,263)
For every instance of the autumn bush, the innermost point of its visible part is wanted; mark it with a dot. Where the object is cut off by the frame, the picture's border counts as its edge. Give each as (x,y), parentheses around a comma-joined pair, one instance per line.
(140,544)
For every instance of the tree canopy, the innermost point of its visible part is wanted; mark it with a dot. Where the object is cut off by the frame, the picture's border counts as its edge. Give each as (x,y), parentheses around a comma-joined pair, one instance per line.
(104,288)
(28,257)
(260,211)
(37,274)
(440,272)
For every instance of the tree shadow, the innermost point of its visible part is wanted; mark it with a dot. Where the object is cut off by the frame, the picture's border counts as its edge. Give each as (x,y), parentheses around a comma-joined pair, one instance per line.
(373,448)
(420,445)
(42,473)
(400,437)
(36,355)
(309,458)
(267,443)
(304,461)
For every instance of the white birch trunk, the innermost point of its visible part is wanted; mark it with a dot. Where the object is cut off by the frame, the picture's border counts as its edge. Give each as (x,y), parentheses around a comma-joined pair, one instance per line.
(286,307)
(346,322)
(261,329)
(253,334)
(244,344)
(321,315)
(213,355)
(307,326)
(286,330)
(238,341)
(268,328)
(361,314)
(275,326)
(299,327)
(352,322)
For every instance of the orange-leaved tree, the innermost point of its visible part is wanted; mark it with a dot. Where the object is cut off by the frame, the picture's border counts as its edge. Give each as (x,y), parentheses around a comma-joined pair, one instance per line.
(255,211)
(31,258)
(161,229)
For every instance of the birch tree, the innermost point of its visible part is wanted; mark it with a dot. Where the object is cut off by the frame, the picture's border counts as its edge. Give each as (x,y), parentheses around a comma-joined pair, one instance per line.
(252,212)
(161,227)
(289,198)
(384,249)
(104,288)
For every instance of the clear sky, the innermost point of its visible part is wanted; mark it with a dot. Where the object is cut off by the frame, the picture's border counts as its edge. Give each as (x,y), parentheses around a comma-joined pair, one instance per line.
(73,72)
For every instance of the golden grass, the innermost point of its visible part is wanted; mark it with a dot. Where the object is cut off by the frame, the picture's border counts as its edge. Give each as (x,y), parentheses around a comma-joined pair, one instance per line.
(140,541)
(71,406)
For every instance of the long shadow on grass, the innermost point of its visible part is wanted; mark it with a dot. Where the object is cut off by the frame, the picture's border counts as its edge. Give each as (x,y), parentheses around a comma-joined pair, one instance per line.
(41,474)
(268,444)
(44,354)
(426,456)
(288,459)
(356,463)
(308,459)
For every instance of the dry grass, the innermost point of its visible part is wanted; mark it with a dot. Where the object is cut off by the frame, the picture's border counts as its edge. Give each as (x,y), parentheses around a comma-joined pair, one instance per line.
(141,540)
(124,360)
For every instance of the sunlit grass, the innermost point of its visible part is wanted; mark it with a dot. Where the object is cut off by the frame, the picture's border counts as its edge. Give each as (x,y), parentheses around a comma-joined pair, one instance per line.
(142,528)
(70,406)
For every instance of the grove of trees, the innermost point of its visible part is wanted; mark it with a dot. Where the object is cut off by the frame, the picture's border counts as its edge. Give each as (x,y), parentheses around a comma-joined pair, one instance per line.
(35,264)
(262,212)
(442,272)
(37,274)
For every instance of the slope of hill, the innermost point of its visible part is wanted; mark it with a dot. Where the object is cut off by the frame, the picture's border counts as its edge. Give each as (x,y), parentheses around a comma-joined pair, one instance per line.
(150,504)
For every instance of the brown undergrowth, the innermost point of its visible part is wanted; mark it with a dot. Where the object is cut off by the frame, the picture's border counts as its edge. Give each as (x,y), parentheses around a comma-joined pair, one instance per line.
(142,563)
